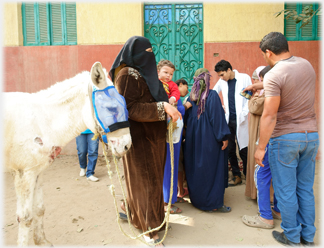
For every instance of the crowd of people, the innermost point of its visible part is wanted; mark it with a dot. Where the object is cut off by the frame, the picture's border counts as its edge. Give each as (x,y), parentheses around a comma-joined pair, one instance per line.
(274,132)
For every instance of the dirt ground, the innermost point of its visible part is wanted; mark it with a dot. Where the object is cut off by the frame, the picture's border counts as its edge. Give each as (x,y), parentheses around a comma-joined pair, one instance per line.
(82,213)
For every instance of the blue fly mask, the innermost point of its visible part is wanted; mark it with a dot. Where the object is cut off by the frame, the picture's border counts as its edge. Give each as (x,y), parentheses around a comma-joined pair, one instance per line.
(110,109)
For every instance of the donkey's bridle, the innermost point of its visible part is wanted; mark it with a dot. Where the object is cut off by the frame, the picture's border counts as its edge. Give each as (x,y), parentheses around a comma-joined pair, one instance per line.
(99,129)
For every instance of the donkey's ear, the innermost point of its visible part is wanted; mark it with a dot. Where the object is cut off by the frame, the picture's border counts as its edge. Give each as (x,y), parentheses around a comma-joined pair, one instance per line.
(98,76)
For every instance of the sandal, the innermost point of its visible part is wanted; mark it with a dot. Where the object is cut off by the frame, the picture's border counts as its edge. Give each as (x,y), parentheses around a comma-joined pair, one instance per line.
(123,216)
(157,241)
(180,200)
(255,221)
(222,209)
(186,192)
(152,241)
(173,209)
(275,215)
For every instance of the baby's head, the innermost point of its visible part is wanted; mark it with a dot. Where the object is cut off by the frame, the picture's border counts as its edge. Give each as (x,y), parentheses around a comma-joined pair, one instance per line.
(165,70)
(182,86)
(263,72)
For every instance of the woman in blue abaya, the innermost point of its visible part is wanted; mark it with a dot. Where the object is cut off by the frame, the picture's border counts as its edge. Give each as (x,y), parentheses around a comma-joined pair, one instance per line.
(167,172)
(205,152)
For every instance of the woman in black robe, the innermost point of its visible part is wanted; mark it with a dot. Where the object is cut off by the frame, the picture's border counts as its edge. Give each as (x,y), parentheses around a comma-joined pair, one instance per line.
(134,74)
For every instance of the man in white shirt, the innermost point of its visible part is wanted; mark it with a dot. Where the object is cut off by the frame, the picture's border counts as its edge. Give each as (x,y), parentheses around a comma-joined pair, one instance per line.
(231,82)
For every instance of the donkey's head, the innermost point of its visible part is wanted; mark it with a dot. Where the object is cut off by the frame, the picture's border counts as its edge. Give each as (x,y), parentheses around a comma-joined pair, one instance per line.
(109,106)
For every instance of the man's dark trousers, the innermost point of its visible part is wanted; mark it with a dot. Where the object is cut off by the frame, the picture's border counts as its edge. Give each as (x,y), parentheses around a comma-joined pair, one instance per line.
(232,150)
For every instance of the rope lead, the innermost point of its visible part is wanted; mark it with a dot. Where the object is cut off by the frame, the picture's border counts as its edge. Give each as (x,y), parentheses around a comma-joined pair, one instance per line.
(112,191)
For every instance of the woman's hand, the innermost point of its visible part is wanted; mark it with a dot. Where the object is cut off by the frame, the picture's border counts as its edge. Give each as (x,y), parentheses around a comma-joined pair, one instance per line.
(172,111)
(250,88)
(187,105)
(225,143)
(254,87)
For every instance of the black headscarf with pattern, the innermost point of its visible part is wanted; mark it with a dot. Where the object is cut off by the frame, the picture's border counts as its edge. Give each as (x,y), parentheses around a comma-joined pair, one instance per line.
(134,55)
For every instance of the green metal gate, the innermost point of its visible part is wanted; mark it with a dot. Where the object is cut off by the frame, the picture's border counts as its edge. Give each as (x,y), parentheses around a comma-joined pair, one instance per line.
(176,34)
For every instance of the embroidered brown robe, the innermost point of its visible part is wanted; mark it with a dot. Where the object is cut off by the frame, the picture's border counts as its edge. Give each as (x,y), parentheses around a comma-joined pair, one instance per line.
(144,162)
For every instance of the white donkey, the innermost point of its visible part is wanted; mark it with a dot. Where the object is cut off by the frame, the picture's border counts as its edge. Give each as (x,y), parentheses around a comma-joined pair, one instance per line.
(37,127)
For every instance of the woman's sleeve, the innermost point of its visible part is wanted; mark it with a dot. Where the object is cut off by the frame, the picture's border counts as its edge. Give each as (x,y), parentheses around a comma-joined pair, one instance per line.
(216,116)
(131,89)
(187,112)
(256,104)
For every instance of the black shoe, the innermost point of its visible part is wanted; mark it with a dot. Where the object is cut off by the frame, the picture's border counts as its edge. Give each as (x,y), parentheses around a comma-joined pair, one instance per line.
(306,243)
(282,239)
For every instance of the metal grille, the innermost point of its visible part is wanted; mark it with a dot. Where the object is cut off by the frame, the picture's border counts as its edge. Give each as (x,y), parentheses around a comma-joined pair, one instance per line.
(176,34)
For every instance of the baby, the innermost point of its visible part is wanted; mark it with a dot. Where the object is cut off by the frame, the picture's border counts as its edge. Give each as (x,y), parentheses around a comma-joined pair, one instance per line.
(165,72)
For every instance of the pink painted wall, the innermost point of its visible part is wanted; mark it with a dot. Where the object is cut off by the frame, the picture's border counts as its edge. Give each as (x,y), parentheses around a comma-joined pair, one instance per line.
(30,69)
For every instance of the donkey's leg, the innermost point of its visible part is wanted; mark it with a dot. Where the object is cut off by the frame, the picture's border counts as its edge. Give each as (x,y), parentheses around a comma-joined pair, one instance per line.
(38,210)
(24,185)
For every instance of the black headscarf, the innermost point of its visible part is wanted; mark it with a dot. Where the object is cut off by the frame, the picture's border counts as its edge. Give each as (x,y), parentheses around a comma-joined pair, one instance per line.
(133,54)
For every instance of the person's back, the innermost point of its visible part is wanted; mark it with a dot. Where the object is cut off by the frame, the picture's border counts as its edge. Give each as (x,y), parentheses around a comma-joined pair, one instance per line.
(205,149)
(296,80)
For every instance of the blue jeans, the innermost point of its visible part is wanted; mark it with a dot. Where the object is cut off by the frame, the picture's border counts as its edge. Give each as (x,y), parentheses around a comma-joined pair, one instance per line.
(262,180)
(86,146)
(292,163)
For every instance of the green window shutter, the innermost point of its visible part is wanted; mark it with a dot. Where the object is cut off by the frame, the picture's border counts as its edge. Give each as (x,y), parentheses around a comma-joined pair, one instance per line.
(35,24)
(71,25)
(44,33)
(312,31)
(318,25)
(29,24)
(307,32)
(49,24)
(57,34)
(291,31)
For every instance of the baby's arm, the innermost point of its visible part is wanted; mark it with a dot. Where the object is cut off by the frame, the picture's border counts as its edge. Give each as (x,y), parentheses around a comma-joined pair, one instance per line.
(172,100)
(174,92)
